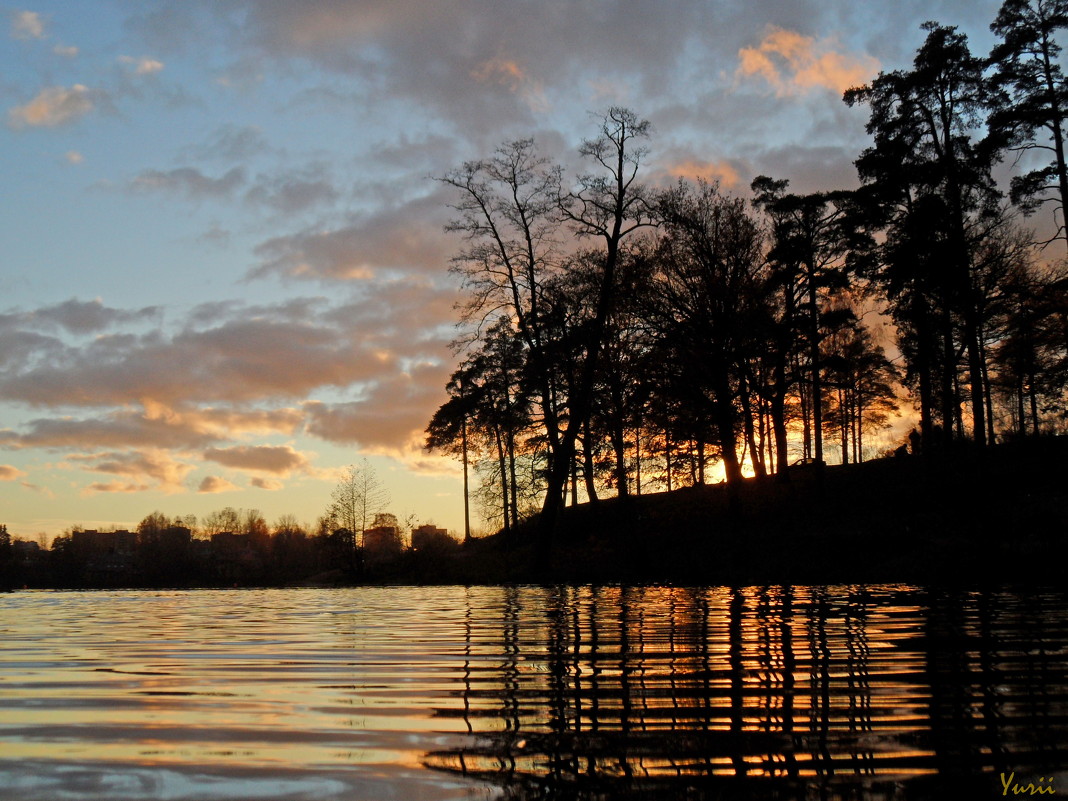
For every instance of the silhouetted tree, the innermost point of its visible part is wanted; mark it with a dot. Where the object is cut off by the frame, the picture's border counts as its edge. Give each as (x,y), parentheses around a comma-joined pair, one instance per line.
(1030,105)
(607,205)
(708,262)
(488,411)
(510,219)
(356,498)
(862,381)
(622,381)
(811,238)
(226,519)
(515,215)
(930,176)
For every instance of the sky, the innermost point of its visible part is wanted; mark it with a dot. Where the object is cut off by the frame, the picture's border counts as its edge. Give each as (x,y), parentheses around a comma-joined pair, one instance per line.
(225,271)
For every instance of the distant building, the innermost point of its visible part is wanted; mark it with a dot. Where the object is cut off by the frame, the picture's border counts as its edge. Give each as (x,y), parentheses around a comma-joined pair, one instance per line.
(429,537)
(104,542)
(108,555)
(382,541)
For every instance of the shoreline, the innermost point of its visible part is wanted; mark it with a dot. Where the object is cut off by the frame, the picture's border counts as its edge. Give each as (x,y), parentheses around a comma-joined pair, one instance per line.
(991,516)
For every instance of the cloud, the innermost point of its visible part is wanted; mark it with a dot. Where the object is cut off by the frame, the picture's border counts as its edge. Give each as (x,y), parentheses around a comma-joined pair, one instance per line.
(67,51)
(267,484)
(136,466)
(73,157)
(793,63)
(507,73)
(693,169)
(289,192)
(279,460)
(229,143)
(87,317)
(21,350)
(156,426)
(216,236)
(115,486)
(810,168)
(476,64)
(292,193)
(27,25)
(390,419)
(190,182)
(241,422)
(235,359)
(214,484)
(143,66)
(52,107)
(118,429)
(404,236)
(10,473)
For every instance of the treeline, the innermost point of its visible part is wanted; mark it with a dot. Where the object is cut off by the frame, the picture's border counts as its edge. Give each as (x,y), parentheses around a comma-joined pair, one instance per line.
(230,547)
(621,338)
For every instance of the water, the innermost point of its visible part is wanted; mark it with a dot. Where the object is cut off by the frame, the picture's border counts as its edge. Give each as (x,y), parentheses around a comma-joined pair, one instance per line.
(532,693)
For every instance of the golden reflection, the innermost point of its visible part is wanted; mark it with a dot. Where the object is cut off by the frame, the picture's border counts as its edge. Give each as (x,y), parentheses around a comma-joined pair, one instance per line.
(845,685)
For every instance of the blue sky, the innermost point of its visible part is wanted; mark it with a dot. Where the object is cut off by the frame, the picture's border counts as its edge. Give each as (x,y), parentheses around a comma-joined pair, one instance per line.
(225,275)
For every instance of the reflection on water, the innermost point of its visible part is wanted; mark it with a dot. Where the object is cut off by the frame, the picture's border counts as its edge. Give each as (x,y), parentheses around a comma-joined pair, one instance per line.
(841,692)
(532,693)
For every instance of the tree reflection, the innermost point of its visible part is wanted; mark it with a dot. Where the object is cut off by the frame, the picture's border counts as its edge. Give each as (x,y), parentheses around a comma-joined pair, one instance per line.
(765,693)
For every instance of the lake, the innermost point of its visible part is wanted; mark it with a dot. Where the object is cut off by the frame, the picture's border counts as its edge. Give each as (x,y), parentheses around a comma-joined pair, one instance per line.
(876,692)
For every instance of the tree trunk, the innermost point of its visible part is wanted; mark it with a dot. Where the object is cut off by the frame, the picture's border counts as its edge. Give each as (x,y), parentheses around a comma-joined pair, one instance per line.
(511,472)
(467,494)
(1034,405)
(949,374)
(587,463)
(782,445)
(502,460)
(756,455)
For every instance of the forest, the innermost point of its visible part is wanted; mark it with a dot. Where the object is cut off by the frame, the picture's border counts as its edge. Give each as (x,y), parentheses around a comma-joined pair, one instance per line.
(620,337)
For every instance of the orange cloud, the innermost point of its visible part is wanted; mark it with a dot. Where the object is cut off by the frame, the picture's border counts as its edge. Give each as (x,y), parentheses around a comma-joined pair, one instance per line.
(267,484)
(53,106)
(214,484)
(507,73)
(720,171)
(280,460)
(114,486)
(793,63)
(136,466)
(157,426)
(9,473)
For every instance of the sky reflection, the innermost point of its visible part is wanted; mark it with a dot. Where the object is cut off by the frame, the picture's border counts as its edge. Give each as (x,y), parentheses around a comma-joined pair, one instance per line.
(529,692)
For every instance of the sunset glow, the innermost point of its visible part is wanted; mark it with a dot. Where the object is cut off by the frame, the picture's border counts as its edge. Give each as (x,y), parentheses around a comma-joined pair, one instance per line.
(226,275)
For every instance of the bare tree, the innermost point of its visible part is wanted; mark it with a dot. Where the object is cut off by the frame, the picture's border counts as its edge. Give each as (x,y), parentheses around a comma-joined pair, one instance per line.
(607,205)
(358,496)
